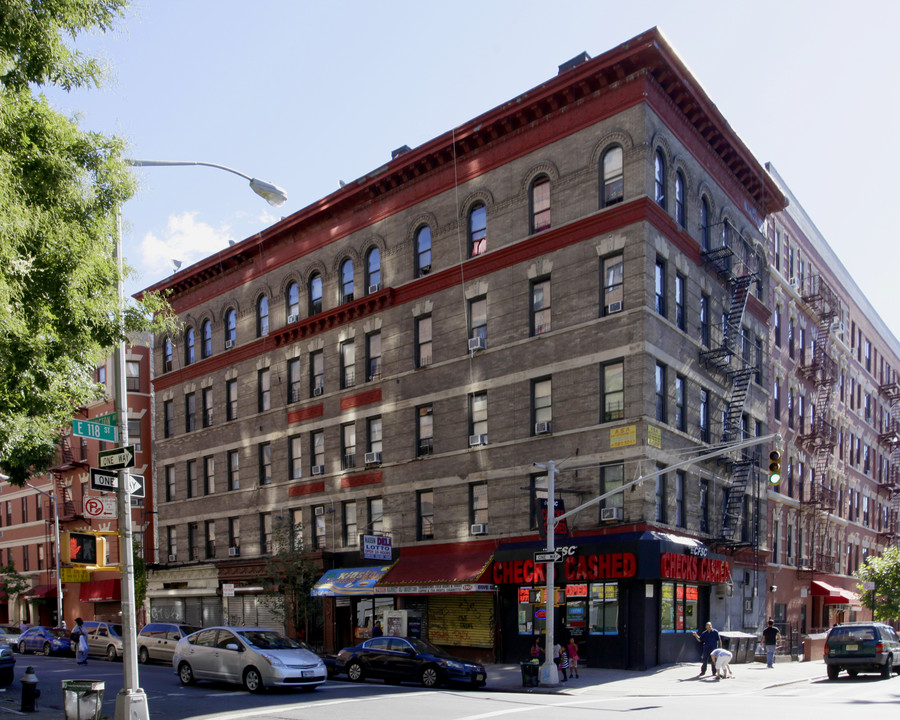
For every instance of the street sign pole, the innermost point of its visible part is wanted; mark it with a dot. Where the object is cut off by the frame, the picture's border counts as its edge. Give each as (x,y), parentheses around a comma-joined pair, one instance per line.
(549,671)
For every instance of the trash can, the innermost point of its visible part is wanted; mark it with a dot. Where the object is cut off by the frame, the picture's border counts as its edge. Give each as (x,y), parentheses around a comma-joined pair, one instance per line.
(83,699)
(530,672)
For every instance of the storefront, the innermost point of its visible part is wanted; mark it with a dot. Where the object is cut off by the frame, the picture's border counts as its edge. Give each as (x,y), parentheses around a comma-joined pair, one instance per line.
(630,600)
(350,606)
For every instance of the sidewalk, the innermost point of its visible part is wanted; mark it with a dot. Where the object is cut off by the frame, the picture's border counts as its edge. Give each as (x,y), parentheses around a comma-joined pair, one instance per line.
(677,679)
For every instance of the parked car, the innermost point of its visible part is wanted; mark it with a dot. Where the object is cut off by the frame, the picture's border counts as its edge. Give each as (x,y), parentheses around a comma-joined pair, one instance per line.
(862,647)
(157,641)
(398,659)
(40,639)
(9,635)
(256,657)
(105,639)
(7,665)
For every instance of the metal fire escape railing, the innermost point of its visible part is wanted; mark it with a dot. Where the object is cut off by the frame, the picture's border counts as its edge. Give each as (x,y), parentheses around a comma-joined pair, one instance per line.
(66,460)
(820,499)
(891,484)
(732,353)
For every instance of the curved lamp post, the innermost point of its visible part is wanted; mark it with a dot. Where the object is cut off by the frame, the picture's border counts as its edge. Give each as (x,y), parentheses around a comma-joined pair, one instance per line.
(131,702)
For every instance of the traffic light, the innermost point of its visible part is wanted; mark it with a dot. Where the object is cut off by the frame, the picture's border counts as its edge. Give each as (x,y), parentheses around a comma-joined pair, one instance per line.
(775,467)
(82,548)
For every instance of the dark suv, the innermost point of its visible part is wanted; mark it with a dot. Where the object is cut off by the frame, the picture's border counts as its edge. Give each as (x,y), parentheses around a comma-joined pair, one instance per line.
(862,647)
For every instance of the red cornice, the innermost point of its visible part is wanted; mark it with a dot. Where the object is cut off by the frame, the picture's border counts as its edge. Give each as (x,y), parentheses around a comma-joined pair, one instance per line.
(311,488)
(360,479)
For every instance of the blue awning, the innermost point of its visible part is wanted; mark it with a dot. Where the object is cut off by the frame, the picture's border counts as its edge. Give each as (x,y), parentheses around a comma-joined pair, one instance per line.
(343,582)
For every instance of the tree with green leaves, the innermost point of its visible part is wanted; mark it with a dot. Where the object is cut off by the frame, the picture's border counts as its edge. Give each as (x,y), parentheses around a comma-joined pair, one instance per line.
(12,583)
(288,577)
(60,191)
(884,571)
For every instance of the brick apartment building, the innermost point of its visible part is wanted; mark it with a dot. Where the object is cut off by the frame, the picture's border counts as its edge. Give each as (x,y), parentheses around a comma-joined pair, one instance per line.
(583,274)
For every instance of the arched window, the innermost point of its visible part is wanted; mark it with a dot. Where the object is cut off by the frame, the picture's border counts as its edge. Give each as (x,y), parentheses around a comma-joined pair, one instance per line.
(205,339)
(230,328)
(189,346)
(613,183)
(477,230)
(373,270)
(167,355)
(292,302)
(659,179)
(540,204)
(315,294)
(704,225)
(262,316)
(423,251)
(346,281)
(680,211)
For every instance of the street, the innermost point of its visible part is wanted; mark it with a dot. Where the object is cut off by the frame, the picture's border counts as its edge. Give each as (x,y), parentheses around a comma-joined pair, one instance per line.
(670,692)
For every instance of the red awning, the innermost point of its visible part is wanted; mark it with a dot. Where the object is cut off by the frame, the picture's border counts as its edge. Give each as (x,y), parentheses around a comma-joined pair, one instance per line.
(101,591)
(40,591)
(832,595)
(434,569)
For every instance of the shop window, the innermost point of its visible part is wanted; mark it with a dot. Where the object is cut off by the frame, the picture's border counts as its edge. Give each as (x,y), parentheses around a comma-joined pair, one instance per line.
(603,609)
(678,608)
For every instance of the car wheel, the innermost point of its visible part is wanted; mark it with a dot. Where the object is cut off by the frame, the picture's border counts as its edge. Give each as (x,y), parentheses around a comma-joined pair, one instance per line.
(430,676)
(143,656)
(111,654)
(47,648)
(7,677)
(22,648)
(253,680)
(833,672)
(355,672)
(888,666)
(185,674)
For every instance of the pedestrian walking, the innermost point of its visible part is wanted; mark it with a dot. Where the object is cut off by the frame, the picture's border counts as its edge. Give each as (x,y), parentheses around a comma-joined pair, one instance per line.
(572,649)
(721,658)
(770,640)
(79,641)
(709,641)
(377,631)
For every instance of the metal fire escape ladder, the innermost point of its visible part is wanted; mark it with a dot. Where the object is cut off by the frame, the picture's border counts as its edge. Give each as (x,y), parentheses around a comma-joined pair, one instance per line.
(66,461)
(891,438)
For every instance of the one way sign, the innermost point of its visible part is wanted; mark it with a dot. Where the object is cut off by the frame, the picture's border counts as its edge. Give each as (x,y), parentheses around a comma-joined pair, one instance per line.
(107,481)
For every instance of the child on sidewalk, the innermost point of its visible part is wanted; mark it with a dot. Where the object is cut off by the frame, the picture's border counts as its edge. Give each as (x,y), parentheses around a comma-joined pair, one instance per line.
(572,649)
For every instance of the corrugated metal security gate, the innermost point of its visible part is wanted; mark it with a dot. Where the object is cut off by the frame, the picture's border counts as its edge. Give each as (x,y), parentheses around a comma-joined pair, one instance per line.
(461,620)
(248,610)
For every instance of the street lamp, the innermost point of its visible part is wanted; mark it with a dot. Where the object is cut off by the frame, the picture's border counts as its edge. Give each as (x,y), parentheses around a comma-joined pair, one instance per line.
(131,702)
(59,597)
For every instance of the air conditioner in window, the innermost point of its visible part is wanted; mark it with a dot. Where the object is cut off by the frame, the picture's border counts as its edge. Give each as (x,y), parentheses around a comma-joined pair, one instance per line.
(373,458)
(173,558)
(610,514)
(790,560)
(234,552)
(478,529)
(374,288)
(475,440)
(293,318)
(837,326)
(803,562)
(614,307)
(229,344)
(319,510)
(541,428)
(795,283)
(477,343)
(318,470)
(318,390)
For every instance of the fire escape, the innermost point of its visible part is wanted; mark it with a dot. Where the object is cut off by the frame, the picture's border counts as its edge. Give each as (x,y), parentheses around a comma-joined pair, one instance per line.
(820,437)
(891,484)
(66,461)
(736,358)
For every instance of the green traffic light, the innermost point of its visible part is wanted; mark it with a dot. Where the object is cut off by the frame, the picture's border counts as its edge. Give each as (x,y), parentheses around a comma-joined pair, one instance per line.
(774,478)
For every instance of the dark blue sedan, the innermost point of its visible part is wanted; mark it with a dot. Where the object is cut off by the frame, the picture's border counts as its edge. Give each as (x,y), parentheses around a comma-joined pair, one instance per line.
(398,659)
(49,641)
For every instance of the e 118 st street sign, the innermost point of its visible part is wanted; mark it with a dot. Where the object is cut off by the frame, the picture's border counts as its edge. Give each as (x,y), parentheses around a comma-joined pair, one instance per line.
(108,481)
(95,430)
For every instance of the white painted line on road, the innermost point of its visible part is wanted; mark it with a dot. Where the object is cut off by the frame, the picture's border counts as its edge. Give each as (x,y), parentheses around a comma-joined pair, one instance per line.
(272,709)
(538,707)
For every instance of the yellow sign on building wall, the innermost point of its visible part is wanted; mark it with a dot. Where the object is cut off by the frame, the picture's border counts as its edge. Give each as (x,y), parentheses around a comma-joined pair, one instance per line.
(654,436)
(622,436)
(75,575)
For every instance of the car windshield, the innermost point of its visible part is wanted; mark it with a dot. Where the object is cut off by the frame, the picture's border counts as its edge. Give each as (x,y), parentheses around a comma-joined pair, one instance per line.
(426,647)
(268,640)
(58,632)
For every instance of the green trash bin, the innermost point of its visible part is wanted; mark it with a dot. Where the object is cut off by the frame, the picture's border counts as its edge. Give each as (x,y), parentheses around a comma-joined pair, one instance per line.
(83,699)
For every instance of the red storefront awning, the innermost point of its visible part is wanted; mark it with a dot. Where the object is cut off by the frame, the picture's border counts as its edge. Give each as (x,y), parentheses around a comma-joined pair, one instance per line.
(40,591)
(832,595)
(101,591)
(436,569)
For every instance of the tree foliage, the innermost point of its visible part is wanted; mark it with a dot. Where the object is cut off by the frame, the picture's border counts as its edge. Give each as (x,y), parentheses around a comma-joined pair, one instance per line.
(12,582)
(884,571)
(60,190)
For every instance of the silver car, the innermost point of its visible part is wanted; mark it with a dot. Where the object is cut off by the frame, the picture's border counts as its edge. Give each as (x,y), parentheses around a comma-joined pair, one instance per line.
(105,639)
(255,657)
(157,640)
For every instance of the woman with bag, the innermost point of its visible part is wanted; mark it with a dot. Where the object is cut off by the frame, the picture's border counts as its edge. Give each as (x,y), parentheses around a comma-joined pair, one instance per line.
(79,641)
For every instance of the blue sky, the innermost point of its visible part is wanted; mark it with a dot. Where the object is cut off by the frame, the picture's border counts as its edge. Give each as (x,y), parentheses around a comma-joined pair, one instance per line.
(306,94)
